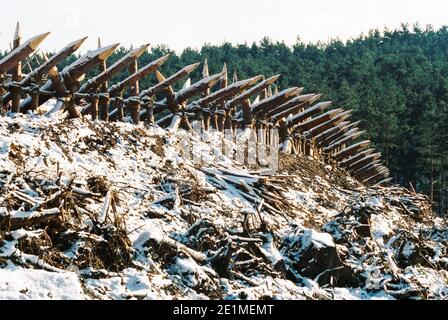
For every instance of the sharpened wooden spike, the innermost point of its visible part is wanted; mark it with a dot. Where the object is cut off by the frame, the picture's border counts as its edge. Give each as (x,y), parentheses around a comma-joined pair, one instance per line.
(315,98)
(224,79)
(16,71)
(351,150)
(235,76)
(100,81)
(136,53)
(251,92)
(383,182)
(272,102)
(77,43)
(201,86)
(205,72)
(272,79)
(37,40)
(350,161)
(21,52)
(190,68)
(38,73)
(269,91)
(224,68)
(163,83)
(187,84)
(99,43)
(141,73)
(17,35)
(108,51)
(225,93)
(159,76)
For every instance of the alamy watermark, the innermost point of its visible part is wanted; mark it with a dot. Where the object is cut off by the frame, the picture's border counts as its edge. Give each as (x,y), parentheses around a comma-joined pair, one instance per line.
(253,148)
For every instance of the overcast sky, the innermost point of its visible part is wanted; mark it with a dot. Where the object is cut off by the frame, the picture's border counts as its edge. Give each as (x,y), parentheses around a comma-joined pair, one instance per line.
(180,24)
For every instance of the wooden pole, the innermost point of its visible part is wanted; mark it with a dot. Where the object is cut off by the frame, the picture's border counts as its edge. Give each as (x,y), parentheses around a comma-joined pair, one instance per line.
(16,72)
(134,89)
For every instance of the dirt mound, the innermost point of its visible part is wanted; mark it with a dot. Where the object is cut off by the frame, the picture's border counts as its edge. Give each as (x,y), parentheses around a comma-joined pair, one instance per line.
(115,209)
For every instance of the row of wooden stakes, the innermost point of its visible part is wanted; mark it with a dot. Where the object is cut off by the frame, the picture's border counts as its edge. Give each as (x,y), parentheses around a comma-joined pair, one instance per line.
(305,125)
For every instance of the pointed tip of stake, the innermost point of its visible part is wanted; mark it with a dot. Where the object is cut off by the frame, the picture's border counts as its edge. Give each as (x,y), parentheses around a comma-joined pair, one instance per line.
(107,51)
(18,32)
(99,43)
(191,67)
(346,114)
(357,134)
(205,72)
(294,93)
(163,59)
(315,98)
(139,51)
(77,43)
(256,78)
(272,79)
(224,78)
(215,79)
(250,81)
(224,67)
(306,97)
(326,104)
(222,75)
(343,116)
(159,76)
(37,40)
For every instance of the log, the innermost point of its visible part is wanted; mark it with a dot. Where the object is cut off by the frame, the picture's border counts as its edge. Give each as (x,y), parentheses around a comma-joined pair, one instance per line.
(351,150)
(345,139)
(21,52)
(276,100)
(24,220)
(342,132)
(297,118)
(37,74)
(161,86)
(349,161)
(196,88)
(314,122)
(16,73)
(224,93)
(118,88)
(362,162)
(116,91)
(250,92)
(327,129)
(296,104)
(128,60)
(72,73)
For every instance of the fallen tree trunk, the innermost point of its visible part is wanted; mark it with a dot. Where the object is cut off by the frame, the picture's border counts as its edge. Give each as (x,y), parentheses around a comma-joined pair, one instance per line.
(29,219)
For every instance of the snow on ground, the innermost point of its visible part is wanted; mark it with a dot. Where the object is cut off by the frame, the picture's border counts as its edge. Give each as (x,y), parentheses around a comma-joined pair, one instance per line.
(136,220)
(20,283)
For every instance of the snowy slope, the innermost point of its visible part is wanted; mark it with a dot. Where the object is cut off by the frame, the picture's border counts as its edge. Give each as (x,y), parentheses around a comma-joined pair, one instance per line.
(112,211)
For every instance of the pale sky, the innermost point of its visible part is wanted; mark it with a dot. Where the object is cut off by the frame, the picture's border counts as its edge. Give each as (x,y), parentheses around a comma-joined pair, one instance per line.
(180,24)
